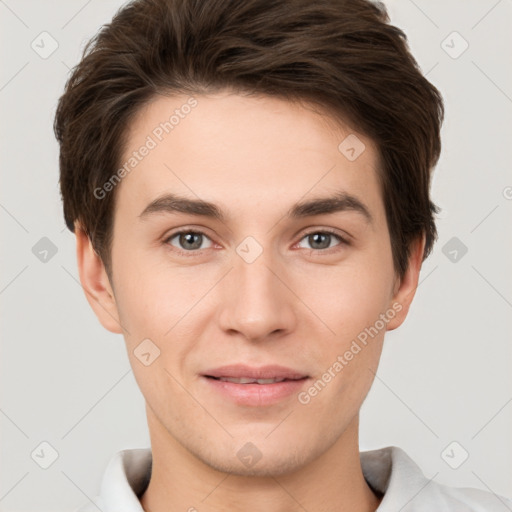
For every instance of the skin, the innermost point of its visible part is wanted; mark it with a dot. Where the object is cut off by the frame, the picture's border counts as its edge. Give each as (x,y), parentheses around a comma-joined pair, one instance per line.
(295,305)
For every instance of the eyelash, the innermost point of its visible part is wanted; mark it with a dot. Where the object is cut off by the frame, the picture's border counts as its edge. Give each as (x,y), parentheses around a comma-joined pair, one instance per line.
(342,240)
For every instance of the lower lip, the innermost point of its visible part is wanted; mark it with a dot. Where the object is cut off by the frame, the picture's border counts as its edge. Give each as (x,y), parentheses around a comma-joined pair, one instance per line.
(256,394)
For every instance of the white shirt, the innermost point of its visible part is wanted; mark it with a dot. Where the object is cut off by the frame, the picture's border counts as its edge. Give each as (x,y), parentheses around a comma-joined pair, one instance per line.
(389,471)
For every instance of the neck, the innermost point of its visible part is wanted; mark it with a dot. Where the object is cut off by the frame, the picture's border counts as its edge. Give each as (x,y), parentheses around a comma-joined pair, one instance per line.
(181,481)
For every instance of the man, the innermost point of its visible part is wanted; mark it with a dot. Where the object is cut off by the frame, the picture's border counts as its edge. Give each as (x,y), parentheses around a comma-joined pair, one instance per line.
(248,182)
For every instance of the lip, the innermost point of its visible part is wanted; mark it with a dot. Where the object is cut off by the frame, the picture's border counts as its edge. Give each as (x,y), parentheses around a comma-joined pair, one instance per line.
(255,395)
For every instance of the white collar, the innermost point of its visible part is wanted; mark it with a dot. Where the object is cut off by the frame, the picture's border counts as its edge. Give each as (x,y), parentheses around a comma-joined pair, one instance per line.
(389,471)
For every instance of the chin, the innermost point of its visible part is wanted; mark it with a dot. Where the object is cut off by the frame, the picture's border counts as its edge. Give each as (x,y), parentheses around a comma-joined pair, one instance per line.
(269,465)
(257,456)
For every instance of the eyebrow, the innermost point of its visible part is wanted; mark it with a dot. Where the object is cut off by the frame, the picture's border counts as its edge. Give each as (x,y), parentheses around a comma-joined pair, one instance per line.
(342,201)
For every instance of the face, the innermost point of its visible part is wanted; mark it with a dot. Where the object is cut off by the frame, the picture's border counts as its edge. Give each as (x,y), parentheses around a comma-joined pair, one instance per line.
(268,281)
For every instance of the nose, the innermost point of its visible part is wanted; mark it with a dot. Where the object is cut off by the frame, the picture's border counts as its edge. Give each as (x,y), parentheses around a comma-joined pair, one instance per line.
(257,302)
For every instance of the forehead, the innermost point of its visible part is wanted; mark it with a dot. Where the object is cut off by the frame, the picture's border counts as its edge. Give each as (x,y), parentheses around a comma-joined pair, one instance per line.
(243,152)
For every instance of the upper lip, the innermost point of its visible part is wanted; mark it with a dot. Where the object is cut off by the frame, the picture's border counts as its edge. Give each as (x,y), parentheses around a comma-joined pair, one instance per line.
(252,372)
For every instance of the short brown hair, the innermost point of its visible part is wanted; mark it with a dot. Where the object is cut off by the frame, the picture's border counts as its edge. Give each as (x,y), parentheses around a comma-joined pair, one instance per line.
(342,55)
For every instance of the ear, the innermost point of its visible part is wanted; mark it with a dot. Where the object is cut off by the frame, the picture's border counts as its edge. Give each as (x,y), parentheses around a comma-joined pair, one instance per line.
(405,288)
(95,283)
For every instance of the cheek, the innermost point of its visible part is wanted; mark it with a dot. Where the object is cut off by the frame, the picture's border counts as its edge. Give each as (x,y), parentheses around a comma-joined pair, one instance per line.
(151,297)
(347,298)
(352,301)
(163,305)
(151,307)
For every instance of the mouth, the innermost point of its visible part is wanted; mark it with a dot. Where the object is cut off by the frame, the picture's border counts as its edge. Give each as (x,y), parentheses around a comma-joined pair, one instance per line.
(248,380)
(254,386)
(243,374)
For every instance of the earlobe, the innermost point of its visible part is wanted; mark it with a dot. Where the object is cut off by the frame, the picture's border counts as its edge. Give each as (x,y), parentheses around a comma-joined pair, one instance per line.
(95,283)
(405,288)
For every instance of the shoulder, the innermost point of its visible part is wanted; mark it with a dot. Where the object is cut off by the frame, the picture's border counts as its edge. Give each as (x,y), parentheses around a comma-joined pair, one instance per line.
(393,473)
(124,479)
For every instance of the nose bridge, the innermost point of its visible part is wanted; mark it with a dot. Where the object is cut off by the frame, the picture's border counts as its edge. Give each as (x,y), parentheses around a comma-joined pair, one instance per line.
(258,303)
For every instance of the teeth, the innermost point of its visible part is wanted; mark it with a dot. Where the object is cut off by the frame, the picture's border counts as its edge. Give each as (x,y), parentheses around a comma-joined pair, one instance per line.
(242,380)
(245,380)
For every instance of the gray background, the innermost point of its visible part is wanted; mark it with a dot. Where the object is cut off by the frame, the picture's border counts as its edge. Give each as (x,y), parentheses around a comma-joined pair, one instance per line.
(445,374)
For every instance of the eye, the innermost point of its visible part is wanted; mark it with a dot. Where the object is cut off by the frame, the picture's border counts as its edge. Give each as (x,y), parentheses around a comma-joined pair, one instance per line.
(321,240)
(188,241)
